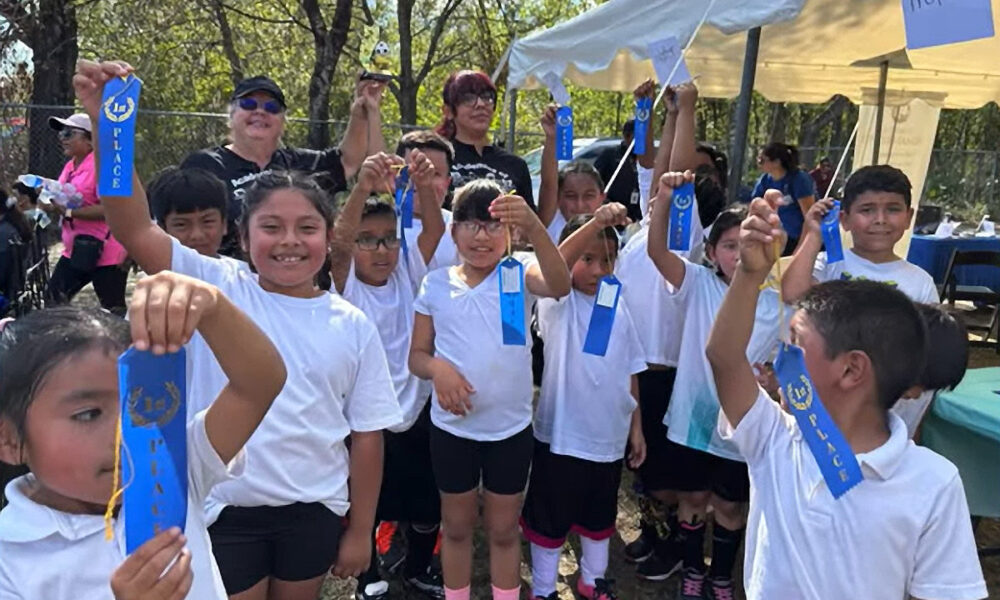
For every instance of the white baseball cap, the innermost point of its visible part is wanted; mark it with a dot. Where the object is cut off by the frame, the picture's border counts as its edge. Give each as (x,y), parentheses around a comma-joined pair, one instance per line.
(77,121)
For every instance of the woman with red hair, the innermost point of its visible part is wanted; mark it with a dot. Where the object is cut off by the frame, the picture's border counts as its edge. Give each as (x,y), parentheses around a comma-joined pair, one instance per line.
(470,99)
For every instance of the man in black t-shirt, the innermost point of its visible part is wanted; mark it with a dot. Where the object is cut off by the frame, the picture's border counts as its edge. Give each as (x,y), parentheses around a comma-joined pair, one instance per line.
(257,119)
(625,189)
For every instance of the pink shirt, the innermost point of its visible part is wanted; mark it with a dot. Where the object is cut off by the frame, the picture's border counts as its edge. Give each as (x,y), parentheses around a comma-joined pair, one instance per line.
(84,179)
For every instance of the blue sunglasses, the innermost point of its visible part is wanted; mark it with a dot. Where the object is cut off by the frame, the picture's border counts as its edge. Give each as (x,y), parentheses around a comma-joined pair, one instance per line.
(270,106)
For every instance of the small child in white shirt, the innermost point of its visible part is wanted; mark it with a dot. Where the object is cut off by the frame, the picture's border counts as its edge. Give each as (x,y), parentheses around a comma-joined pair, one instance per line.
(902,531)
(60,413)
(587,413)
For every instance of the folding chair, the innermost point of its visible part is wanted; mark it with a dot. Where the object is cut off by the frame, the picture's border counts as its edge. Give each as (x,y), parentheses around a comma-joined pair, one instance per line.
(980,295)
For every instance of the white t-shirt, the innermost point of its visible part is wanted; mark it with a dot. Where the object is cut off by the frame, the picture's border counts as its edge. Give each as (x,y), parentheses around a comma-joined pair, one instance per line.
(658,312)
(467,334)
(585,405)
(903,531)
(693,414)
(46,553)
(904,276)
(390,307)
(556,226)
(645,187)
(338,382)
(446,253)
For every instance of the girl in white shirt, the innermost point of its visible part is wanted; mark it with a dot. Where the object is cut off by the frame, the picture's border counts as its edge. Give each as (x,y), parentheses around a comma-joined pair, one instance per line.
(587,413)
(481,405)
(277,529)
(59,414)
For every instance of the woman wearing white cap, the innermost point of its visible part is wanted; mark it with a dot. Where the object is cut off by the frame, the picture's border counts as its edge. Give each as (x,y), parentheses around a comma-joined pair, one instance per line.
(90,254)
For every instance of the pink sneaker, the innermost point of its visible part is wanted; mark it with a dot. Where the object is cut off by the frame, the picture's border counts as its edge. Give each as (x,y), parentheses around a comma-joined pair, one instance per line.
(601,590)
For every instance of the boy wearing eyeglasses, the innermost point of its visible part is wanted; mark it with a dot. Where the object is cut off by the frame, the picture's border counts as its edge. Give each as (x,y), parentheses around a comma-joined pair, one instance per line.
(375,270)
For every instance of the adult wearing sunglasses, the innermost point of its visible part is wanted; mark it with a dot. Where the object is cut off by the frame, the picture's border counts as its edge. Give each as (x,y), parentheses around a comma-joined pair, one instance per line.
(90,253)
(470,99)
(256,124)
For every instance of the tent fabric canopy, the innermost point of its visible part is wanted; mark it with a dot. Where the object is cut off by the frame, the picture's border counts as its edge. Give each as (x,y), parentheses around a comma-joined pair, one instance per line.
(829,48)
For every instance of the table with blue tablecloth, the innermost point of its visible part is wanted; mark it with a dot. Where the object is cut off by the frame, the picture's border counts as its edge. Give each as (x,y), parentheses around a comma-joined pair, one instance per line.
(932,255)
(964,427)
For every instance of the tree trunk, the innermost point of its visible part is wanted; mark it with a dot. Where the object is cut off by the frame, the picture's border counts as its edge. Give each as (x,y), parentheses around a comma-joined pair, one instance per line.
(779,122)
(228,46)
(328,43)
(406,95)
(811,129)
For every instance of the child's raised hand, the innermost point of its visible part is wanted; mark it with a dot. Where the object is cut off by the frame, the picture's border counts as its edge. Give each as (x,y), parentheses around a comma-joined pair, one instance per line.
(646,89)
(141,576)
(611,214)
(377,173)
(671,181)
(513,210)
(453,390)
(421,169)
(817,212)
(89,80)
(670,100)
(687,96)
(166,309)
(761,236)
(548,121)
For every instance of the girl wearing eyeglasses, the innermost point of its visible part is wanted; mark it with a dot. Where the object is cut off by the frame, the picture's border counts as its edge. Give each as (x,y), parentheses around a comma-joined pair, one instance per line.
(90,254)
(257,115)
(482,389)
(470,100)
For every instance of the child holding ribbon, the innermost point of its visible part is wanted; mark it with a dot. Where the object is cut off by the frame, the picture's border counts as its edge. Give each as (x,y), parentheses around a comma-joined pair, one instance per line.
(373,272)
(469,340)
(587,410)
(442,154)
(59,413)
(903,529)
(701,467)
(278,528)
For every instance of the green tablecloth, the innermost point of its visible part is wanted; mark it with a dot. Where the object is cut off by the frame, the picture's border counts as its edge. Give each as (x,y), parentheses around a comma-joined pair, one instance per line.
(964,426)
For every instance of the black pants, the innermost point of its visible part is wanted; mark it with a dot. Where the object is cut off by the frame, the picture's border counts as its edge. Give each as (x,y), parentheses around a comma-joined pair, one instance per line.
(109,284)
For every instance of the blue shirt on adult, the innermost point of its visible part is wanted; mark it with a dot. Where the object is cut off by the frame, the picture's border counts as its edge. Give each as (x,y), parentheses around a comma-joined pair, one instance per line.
(794,187)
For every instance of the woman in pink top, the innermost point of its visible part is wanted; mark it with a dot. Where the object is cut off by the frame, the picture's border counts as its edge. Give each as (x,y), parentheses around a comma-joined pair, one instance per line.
(90,254)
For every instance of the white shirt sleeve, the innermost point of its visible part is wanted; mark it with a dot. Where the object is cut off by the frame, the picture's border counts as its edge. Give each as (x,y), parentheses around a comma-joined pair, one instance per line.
(205,467)
(947,565)
(371,404)
(928,292)
(188,261)
(822,271)
(645,185)
(757,430)
(416,267)
(424,302)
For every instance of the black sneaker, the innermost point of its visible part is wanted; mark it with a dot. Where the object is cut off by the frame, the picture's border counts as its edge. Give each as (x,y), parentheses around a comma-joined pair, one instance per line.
(643,546)
(719,588)
(692,586)
(376,590)
(429,583)
(552,596)
(394,557)
(658,567)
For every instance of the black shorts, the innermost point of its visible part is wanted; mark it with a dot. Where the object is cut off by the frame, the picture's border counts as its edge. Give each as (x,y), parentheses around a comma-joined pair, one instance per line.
(409,492)
(460,463)
(655,388)
(296,542)
(567,494)
(690,470)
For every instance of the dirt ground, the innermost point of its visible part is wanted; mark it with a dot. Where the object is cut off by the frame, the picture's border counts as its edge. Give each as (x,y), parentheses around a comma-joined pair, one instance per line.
(628,586)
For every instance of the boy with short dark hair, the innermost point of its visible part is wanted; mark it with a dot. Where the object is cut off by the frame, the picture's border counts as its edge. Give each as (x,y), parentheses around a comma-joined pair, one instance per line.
(442,154)
(190,205)
(876,211)
(904,530)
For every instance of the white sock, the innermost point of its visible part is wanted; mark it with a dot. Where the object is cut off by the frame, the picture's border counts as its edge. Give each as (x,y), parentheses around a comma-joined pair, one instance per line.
(544,570)
(594,563)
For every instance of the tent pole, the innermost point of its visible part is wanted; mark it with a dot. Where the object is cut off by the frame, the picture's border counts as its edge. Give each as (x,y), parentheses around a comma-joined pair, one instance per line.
(883,78)
(512,122)
(737,151)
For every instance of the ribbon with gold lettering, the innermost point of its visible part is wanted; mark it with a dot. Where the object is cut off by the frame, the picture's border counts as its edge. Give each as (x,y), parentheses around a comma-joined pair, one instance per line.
(154,433)
(116,135)
(827,444)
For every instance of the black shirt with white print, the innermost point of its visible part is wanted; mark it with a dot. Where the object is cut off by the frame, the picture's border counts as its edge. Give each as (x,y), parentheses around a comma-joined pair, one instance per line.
(508,170)
(239,174)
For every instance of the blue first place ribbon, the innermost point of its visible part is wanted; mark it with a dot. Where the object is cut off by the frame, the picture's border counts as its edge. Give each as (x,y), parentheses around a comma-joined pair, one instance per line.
(154,443)
(643,110)
(116,135)
(602,318)
(511,275)
(404,206)
(836,461)
(681,211)
(830,229)
(564,133)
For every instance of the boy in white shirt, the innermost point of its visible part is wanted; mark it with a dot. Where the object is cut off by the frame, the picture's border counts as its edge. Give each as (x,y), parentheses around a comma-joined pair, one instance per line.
(876,211)
(587,413)
(904,530)
(374,272)
(442,155)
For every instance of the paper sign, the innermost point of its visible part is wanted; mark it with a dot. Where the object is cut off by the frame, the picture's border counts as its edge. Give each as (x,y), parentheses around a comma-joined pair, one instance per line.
(556,88)
(664,54)
(938,22)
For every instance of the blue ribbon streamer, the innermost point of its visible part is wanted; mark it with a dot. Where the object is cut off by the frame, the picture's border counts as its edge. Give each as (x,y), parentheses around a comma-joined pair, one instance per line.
(154,443)
(404,207)
(830,229)
(602,318)
(510,272)
(116,136)
(836,461)
(564,133)
(681,211)
(643,109)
